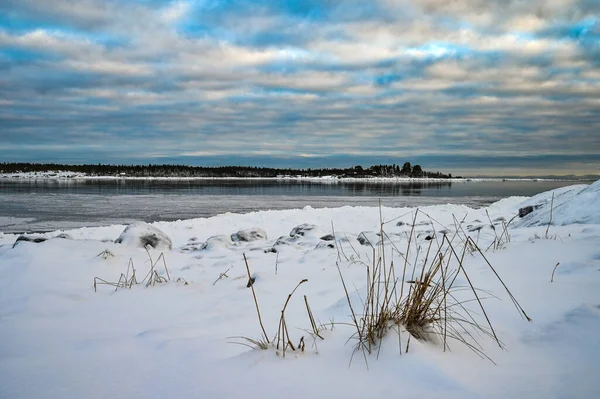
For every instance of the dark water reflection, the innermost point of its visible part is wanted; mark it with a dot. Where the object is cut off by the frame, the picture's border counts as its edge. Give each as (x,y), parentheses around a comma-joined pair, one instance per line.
(225,187)
(38,205)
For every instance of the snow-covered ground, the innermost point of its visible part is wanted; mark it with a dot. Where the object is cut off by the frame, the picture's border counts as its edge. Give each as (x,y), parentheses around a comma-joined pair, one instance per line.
(61,338)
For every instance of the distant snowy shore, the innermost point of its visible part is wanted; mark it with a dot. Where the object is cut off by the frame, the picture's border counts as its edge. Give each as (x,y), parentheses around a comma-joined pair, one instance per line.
(62,175)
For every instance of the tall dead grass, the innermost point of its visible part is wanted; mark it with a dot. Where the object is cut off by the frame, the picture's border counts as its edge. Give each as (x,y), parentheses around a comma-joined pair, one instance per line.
(282,341)
(430,297)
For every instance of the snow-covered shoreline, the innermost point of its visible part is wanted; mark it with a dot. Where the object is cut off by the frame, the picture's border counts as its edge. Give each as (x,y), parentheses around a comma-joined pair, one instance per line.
(59,338)
(62,175)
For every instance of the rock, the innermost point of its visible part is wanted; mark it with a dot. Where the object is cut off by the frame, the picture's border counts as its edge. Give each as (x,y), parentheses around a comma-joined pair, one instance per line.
(29,239)
(368,238)
(39,239)
(247,235)
(285,240)
(325,244)
(328,237)
(302,229)
(142,234)
(527,210)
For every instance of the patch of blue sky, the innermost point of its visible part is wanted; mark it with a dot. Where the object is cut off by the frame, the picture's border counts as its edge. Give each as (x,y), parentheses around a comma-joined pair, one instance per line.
(22,55)
(587,28)
(582,30)
(216,9)
(12,23)
(283,91)
(282,67)
(387,79)
(298,10)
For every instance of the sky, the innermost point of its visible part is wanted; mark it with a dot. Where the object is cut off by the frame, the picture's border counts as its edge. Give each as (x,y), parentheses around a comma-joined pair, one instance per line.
(496,87)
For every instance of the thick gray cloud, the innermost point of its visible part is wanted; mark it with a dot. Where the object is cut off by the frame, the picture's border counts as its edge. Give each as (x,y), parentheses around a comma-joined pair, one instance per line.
(336,81)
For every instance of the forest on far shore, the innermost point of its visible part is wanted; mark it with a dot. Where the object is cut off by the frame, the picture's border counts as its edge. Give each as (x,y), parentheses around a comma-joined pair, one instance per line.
(150,170)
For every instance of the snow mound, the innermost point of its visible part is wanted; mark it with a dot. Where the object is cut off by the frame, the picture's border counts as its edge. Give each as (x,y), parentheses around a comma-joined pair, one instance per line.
(571,205)
(141,234)
(217,242)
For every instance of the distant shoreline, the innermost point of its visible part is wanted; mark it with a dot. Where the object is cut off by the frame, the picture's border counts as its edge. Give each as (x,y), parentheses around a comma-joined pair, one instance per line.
(63,175)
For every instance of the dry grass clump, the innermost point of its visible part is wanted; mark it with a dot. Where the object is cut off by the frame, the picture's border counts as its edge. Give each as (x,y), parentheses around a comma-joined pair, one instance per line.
(429,297)
(127,280)
(282,340)
(500,240)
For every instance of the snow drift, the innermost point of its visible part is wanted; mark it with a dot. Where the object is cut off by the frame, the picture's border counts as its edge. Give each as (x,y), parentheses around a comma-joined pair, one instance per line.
(570,205)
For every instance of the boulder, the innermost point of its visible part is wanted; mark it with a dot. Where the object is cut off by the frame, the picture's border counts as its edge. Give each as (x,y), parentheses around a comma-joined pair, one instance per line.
(218,241)
(247,235)
(302,229)
(142,234)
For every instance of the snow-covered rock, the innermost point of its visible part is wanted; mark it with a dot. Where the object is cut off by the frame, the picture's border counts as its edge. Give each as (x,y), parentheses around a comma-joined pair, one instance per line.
(308,232)
(252,234)
(302,230)
(142,234)
(216,242)
(38,238)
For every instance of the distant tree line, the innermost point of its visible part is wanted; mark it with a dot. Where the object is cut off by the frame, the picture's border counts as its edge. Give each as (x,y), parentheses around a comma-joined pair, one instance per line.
(150,170)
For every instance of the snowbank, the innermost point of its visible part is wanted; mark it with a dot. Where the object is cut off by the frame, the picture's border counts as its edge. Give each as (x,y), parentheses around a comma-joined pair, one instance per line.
(571,205)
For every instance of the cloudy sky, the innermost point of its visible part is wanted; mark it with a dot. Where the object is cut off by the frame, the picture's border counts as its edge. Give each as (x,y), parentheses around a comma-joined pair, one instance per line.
(462,86)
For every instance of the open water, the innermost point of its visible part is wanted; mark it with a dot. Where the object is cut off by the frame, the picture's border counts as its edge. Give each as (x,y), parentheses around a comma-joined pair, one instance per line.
(28,205)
